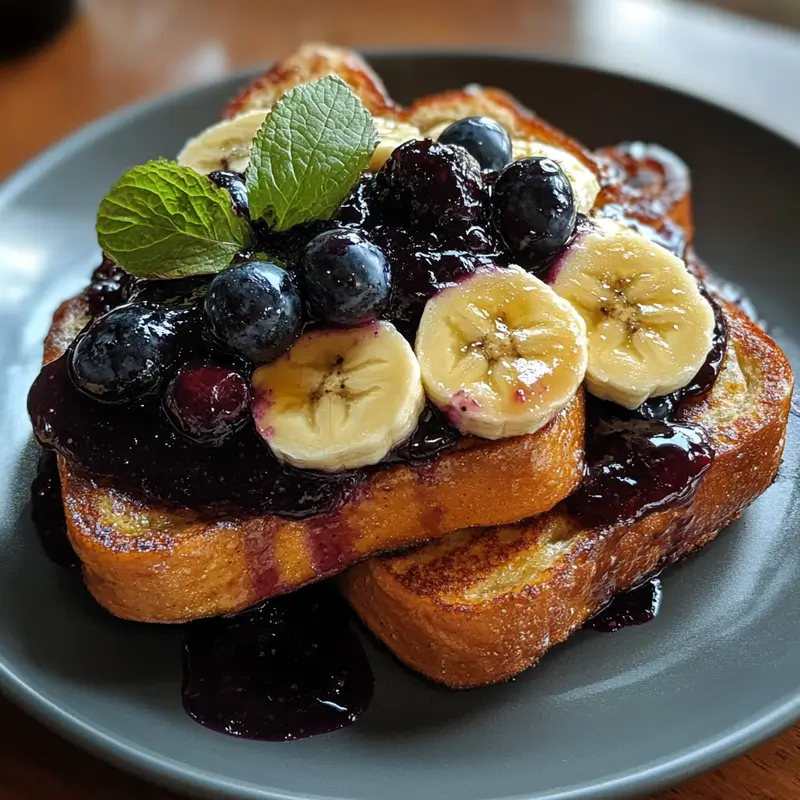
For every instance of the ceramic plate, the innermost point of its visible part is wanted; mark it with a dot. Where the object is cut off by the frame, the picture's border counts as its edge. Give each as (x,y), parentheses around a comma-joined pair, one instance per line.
(603,716)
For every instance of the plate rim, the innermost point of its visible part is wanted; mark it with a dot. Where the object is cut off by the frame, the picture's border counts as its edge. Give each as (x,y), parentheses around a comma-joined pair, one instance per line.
(137,759)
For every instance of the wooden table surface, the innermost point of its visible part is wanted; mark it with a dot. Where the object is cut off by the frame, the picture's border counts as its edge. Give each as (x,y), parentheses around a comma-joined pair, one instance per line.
(119,50)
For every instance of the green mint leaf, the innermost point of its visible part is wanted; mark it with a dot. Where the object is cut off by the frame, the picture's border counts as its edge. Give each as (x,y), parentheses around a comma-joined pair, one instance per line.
(308,153)
(162,220)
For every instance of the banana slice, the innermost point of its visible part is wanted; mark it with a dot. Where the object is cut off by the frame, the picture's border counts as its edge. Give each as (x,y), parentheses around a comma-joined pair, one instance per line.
(649,327)
(501,353)
(584,182)
(225,145)
(391,134)
(339,399)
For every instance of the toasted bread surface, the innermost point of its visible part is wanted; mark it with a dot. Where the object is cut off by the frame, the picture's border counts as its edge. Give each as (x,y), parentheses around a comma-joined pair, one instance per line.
(313,61)
(481,605)
(151,563)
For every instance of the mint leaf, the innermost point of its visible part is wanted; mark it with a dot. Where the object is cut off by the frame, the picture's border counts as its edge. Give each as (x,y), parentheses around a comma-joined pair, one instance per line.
(308,153)
(168,221)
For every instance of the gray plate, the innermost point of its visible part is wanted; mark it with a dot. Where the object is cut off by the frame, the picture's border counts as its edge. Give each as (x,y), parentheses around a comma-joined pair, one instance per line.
(603,716)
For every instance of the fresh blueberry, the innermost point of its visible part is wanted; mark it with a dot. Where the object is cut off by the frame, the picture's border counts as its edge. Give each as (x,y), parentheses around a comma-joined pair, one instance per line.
(253,310)
(483,138)
(346,278)
(233,183)
(433,187)
(534,209)
(207,402)
(125,353)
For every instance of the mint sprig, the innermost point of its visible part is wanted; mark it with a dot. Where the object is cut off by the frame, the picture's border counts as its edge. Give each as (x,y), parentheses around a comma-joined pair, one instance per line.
(308,153)
(168,221)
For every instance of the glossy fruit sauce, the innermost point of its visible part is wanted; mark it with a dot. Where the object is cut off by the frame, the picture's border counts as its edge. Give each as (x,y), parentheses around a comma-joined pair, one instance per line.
(289,668)
(633,607)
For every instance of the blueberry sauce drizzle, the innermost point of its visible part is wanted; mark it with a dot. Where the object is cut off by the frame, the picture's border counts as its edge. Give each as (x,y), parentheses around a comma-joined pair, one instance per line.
(636,466)
(287,669)
(634,607)
(47,512)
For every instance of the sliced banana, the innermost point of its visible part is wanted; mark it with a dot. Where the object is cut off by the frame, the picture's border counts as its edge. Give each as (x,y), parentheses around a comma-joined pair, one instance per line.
(649,327)
(339,399)
(501,353)
(585,185)
(391,134)
(225,145)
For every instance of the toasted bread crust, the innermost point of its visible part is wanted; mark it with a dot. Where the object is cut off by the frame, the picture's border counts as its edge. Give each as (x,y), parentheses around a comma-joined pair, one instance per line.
(312,61)
(477,607)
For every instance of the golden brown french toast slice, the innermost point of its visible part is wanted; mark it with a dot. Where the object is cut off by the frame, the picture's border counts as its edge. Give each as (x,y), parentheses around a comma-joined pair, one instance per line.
(481,605)
(155,564)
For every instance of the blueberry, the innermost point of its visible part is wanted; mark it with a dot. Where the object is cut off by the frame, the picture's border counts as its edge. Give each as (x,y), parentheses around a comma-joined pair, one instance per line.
(253,310)
(433,187)
(125,353)
(534,209)
(207,402)
(346,278)
(483,138)
(233,183)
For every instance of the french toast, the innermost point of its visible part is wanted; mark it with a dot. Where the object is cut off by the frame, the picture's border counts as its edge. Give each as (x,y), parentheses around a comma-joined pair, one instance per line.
(479,606)
(146,560)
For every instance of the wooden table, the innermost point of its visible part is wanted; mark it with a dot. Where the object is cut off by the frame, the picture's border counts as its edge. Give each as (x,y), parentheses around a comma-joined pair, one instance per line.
(120,50)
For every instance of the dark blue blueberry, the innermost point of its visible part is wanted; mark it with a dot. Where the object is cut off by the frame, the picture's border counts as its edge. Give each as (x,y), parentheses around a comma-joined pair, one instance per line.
(486,140)
(253,310)
(288,247)
(346,278)
(125,353)
(534,210)
(233,183)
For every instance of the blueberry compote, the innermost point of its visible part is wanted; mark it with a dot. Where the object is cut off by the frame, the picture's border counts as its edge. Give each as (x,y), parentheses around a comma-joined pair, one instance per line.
(108,288)
(634,607)
(289,668)
(47,512)
(634,466)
